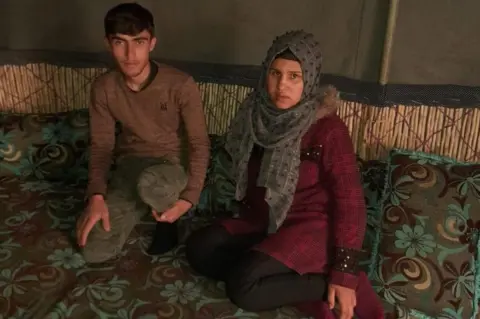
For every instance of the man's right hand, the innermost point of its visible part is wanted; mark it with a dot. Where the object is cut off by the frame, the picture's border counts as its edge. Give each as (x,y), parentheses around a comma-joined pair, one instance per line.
(96,210)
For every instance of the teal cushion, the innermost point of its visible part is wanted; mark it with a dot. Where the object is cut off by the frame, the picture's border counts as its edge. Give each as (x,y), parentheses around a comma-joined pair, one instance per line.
(403,312)
(372,174)
(217,197)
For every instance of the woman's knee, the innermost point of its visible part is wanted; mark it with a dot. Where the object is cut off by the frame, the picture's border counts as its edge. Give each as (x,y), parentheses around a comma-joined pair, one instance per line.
(193,247)
(239,289)
(241,283)
(201,244)
(245,286)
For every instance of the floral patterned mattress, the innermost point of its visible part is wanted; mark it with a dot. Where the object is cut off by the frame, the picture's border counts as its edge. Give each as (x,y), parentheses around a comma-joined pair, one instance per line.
(43,276)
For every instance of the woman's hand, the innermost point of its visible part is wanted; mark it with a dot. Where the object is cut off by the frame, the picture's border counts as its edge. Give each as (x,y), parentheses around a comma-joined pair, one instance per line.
(346,298)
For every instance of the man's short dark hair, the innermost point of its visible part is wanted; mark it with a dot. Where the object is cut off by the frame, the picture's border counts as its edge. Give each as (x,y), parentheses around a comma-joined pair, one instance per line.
(128,18)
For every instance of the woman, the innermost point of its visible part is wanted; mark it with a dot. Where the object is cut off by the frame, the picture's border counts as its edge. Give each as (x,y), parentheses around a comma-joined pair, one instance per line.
(298,238)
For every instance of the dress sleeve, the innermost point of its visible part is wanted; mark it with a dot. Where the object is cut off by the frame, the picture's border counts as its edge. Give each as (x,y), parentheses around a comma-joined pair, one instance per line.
(349,213)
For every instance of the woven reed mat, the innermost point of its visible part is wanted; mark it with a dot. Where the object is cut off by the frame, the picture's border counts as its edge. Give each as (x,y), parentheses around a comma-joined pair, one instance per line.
(454,132)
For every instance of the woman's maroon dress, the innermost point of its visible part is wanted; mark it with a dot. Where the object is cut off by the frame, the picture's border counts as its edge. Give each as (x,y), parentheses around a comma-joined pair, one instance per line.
(325,227)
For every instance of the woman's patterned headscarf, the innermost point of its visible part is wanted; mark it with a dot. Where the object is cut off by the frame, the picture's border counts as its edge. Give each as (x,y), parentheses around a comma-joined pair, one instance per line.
(279,132)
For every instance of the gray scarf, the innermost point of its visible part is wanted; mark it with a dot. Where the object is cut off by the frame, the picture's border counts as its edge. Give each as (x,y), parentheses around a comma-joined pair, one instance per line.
(279,132)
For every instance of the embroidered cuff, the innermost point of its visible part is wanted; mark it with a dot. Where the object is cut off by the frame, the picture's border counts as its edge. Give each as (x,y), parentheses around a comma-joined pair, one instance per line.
(346,260)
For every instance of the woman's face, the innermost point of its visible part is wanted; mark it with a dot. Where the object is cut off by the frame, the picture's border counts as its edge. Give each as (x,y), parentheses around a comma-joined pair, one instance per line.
(285,83)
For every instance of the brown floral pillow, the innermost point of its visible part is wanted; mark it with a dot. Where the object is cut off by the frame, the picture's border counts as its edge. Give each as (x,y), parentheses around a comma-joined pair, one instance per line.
(426,261)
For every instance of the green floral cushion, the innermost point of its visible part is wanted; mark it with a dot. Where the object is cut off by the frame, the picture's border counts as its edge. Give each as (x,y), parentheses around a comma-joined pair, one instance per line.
(427,245)
(373,180)
(402,312)
(44,146)
(217,197)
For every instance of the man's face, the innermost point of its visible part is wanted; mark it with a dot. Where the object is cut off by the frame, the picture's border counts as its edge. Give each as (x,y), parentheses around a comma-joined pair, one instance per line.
(132,53)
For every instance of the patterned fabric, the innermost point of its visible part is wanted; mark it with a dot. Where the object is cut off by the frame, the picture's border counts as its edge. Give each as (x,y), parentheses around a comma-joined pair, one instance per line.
(373,180)
(218,195)
(50,147)
(278,131)
(402,312)
(43,276)
(428,242)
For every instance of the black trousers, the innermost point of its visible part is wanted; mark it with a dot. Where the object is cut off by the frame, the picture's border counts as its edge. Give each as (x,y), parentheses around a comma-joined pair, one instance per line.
(254,281)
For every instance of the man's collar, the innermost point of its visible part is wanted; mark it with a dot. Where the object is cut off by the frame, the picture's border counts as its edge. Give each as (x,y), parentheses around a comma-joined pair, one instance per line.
(151,75)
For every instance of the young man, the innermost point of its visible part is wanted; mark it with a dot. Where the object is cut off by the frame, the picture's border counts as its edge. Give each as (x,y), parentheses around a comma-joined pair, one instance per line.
(153,103)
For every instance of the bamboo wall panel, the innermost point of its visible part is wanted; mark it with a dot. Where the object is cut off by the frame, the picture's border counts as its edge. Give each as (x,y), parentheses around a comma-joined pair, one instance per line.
(454,132)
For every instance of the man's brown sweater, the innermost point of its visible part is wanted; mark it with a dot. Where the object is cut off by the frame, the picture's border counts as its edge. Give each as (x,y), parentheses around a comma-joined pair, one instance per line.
(151,121)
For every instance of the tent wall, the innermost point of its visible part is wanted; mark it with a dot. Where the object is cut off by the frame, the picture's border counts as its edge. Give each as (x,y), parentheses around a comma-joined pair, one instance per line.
(234,32)
(436,42)
(434,45)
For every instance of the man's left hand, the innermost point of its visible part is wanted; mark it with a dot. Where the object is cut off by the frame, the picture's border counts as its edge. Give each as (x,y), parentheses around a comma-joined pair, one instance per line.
(173,213)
